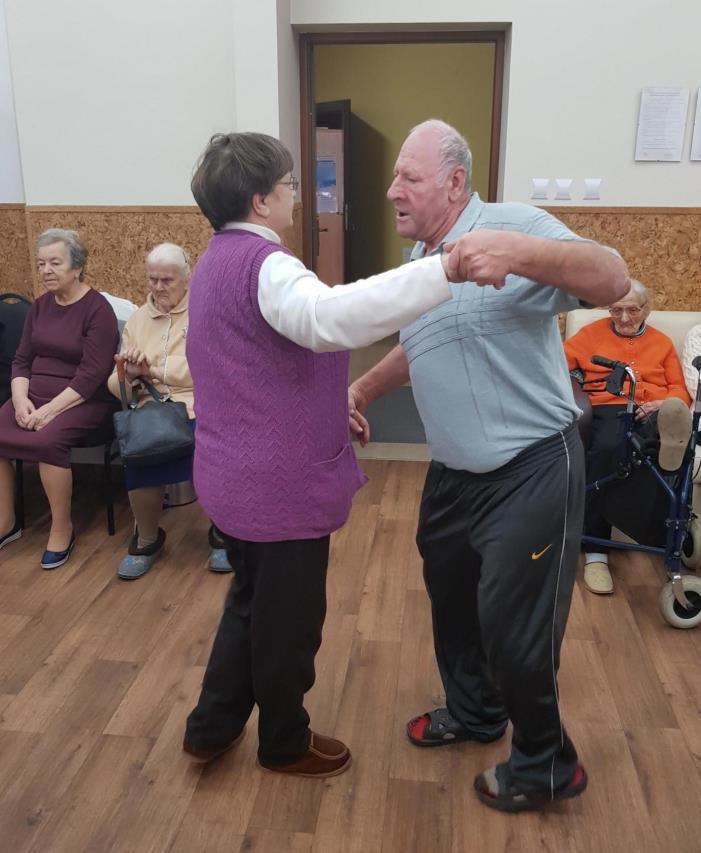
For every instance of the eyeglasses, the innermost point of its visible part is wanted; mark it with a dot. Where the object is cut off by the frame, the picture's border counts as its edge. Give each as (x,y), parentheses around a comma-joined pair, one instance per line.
(293,184)
(632,311)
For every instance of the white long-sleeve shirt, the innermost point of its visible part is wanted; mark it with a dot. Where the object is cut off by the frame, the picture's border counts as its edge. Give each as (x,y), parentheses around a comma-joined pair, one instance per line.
(324,319)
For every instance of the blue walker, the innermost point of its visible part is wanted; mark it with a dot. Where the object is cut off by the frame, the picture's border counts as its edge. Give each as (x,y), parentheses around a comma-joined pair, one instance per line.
(680,597)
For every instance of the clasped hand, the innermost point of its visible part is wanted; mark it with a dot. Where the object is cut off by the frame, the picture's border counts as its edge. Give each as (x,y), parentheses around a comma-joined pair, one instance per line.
(27,416)
(24,409)
(480,257)
(136,363)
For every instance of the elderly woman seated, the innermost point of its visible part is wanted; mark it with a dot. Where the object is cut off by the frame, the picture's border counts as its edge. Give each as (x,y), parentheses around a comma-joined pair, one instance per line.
(59,393)
(153,345)
(660,388)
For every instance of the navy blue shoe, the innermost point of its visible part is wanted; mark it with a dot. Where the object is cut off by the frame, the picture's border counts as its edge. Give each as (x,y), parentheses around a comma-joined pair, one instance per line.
(15,533)
(54,559)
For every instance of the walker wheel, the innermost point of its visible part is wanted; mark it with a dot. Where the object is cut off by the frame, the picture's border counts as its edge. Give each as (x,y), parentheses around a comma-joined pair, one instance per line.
(673,612)
(691,549)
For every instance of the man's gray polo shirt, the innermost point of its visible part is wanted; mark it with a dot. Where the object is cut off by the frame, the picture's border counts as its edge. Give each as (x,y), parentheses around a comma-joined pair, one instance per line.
(487,369)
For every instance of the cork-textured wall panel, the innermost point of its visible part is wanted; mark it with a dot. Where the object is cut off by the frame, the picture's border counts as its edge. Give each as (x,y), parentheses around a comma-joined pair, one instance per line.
(662,247)
(119,238)
(16,275)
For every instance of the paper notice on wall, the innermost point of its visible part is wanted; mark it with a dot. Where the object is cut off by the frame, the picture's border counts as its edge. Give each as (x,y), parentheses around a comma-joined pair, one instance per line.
(696,136)
(661,123)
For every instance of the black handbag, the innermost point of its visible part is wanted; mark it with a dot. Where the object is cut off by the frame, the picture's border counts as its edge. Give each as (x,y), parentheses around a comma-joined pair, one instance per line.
(157,432)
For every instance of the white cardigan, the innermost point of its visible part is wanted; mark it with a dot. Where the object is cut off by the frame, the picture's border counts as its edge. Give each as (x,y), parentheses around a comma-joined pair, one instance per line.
(692,348)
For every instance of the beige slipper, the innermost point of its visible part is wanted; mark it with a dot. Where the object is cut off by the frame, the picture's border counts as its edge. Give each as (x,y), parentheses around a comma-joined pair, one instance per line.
(597,578)
(674,426)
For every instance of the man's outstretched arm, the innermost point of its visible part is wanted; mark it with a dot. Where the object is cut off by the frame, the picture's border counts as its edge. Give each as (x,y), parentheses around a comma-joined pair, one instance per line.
(586,270)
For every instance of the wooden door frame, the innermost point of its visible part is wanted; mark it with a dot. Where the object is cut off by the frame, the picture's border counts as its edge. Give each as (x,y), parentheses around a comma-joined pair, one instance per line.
(307,43)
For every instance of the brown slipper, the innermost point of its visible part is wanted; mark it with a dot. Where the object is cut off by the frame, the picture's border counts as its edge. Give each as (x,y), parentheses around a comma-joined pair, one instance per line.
(325,757)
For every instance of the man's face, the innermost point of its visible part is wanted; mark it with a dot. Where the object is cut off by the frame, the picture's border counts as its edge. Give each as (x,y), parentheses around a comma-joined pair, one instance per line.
(421,202)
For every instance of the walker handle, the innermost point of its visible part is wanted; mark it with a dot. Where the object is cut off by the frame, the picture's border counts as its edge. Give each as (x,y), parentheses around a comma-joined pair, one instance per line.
(607,362)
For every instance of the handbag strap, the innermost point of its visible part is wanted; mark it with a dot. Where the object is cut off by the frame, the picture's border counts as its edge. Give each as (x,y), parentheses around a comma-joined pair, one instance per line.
(157,396)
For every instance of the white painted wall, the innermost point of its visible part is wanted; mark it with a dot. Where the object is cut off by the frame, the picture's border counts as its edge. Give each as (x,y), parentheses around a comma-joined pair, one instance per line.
(288,83)
(11,188)
(115,100)
(574,79)
(255,58)
(266,65)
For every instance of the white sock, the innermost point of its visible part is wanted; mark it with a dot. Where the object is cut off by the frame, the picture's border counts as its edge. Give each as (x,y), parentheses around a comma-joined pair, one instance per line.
(596,558)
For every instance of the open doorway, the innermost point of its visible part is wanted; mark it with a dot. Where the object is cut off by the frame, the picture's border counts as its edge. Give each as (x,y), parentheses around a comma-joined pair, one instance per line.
(332,174)
(361,93)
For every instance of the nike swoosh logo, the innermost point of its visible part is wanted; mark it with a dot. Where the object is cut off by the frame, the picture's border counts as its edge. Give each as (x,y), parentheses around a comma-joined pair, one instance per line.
(537,556)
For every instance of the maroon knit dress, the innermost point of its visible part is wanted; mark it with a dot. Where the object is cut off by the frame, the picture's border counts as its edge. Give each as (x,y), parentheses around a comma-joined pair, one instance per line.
(61,346)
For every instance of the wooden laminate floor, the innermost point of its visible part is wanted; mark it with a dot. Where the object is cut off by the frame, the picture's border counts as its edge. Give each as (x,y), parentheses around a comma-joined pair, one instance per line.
(97,676)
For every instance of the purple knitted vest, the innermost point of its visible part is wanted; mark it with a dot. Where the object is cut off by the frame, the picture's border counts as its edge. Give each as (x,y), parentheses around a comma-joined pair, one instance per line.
(273,459)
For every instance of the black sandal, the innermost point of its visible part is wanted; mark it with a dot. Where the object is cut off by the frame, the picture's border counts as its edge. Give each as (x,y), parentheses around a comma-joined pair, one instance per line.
(495,788)
(439,729)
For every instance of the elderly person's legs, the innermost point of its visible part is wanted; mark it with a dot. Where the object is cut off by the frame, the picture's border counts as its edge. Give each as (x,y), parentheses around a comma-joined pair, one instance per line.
(58,485)
(606,449)
(630,504)
(474,709)
(146,504)
(7,502)
(529,544)
(530,553)
(263,654)
(147,542)
(523,523)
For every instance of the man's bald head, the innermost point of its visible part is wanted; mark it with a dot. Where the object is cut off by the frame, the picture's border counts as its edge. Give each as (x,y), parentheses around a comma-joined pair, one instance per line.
(431,184)
(452,147)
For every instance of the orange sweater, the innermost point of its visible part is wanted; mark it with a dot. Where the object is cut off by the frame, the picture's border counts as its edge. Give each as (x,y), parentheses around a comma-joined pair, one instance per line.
(652,356)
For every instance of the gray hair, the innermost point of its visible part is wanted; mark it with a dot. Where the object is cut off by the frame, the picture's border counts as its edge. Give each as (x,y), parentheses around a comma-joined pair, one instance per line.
(454,149)
(77,252)
(169,253)
(639,289)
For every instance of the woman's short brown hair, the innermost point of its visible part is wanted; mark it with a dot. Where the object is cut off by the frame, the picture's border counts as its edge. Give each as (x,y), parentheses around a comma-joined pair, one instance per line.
(234,167)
